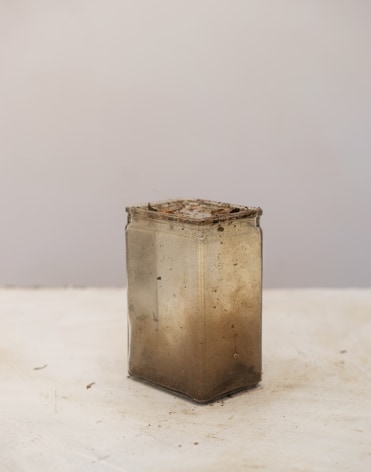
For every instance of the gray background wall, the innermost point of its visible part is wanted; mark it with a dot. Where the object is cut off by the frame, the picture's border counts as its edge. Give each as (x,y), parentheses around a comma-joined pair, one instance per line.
(111,103)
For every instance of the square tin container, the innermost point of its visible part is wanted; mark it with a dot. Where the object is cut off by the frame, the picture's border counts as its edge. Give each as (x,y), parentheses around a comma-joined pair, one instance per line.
(195,296)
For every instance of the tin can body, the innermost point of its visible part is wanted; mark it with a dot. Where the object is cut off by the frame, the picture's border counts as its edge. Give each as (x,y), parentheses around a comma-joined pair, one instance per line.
(194,296)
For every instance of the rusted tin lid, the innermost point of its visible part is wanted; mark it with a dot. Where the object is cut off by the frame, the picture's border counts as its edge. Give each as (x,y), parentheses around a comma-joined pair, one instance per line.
(194,211)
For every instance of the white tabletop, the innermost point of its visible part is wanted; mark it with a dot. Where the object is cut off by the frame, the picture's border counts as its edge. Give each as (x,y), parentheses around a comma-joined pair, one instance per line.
(312,411)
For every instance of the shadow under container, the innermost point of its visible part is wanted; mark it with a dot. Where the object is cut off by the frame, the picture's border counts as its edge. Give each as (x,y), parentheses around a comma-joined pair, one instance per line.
(195,296)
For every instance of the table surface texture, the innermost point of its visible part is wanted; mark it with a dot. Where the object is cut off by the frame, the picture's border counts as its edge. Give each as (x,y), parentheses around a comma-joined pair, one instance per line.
(66,402)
